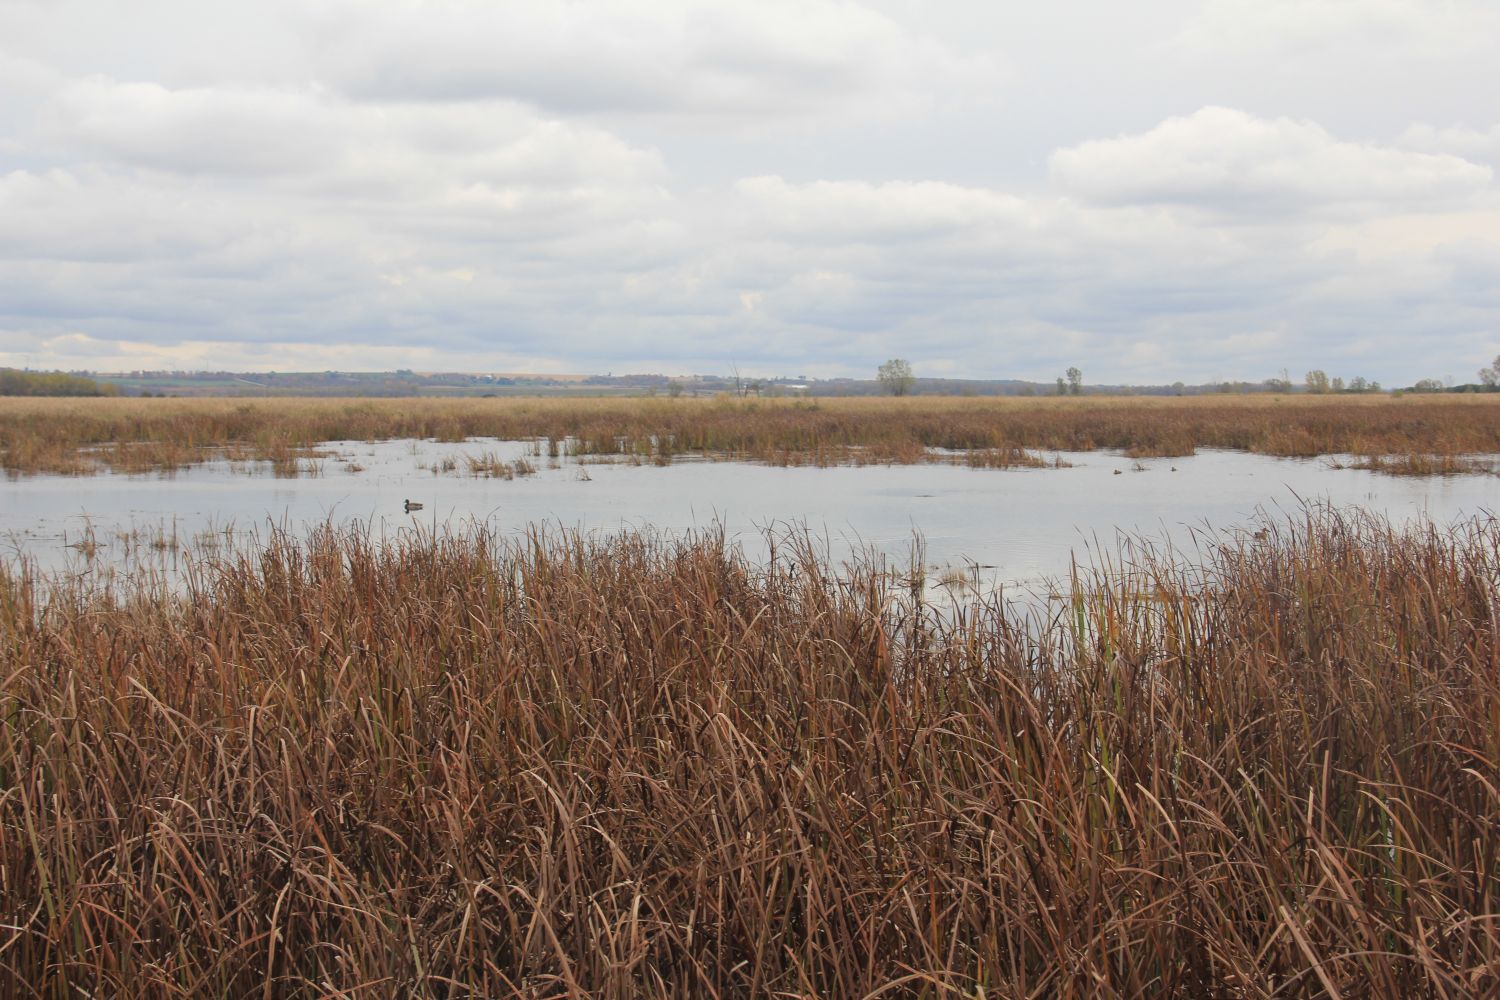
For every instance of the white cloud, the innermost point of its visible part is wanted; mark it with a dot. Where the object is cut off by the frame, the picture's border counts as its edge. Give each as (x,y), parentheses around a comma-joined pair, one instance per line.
(856,211)
(775,58)
(313,133)
(1321,24)
(78,350)
(192,131)
(89,215)
(1225,161)
(1479,145)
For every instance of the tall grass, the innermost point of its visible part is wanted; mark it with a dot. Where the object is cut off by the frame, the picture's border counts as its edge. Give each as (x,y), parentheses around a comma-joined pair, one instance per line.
(455,766)
(79,436)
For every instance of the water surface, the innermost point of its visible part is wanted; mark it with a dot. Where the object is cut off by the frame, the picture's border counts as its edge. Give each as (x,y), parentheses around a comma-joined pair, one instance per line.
(1008,526)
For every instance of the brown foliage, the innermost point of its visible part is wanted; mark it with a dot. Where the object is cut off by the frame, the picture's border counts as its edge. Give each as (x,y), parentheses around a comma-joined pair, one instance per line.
(79,436)
(457,767)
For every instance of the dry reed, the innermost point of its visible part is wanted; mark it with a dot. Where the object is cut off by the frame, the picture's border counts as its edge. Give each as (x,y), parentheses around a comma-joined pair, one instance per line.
(1417,464)
(82,435)
(455,766)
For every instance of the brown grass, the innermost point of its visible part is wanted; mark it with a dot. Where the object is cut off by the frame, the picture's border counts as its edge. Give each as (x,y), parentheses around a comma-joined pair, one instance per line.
(457,767)
(82,435)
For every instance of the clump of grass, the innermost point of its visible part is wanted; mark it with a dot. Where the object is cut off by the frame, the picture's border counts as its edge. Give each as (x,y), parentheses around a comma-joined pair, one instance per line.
(156,539)
(140,457)
(288,460)
(1417,464)
(459,765)
(489,465)
(1009,458)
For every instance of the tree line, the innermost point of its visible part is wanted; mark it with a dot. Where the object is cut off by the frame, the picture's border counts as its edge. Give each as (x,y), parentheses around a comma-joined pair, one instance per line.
(15,382)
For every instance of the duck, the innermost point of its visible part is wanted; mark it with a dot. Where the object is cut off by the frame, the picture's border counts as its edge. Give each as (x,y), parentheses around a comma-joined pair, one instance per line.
(412,505)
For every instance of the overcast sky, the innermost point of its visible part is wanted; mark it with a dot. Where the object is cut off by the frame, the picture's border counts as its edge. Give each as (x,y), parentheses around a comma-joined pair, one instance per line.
(1153,191)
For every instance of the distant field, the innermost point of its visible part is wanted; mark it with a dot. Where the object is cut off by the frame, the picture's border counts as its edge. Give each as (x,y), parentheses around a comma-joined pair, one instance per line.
(79,436)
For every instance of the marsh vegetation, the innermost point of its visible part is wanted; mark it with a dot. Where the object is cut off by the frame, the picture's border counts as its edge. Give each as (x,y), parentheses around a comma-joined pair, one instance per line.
(475,759)
(458,764)
(80,436)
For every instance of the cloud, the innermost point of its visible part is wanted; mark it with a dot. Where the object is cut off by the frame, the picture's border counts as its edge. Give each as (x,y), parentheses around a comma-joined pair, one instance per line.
(1227,162)
(77,350)
(798,186)
(857,211)
(311,133)
(193,131)
(1283,25)
(1479,145)
(477,243)
(774,58)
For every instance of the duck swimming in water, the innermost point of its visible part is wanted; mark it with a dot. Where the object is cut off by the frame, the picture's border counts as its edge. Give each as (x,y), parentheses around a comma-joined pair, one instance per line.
(412,505)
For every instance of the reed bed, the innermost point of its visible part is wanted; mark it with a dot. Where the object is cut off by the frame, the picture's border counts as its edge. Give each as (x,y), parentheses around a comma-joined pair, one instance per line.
(458,766)
(77,436)
(1421,465)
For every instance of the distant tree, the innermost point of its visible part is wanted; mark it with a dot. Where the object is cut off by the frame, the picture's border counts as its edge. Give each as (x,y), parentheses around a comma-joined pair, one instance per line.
(1358,384)
(1075,381)
(14,382)
(1316,380)
(1177,388)
(895,377)
(1337,384)
(1491,376)
(1428,385)
(1062,387)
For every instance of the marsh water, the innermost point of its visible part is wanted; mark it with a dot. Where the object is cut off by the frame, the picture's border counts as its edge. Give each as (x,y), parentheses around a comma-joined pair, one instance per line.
(1014,528)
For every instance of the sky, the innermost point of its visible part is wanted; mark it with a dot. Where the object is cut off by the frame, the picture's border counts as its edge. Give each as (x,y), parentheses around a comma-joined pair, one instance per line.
(1155,191)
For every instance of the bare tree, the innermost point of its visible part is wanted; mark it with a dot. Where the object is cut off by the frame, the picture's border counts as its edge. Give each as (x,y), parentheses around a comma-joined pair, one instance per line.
(1491,376)
(895,377)
(1075,380)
